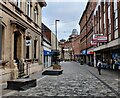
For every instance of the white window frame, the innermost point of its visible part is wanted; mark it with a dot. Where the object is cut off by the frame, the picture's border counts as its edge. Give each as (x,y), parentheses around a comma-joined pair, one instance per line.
(35,15)
(18,3)
(28,7)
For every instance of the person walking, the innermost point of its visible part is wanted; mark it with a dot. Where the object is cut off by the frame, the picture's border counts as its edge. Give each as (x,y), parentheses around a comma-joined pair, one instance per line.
(99,66)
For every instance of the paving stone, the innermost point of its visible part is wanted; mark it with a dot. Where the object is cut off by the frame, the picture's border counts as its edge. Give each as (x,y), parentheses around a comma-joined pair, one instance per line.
(76,80)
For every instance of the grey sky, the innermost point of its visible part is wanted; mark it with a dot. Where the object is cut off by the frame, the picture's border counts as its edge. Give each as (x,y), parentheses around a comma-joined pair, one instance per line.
(68,13)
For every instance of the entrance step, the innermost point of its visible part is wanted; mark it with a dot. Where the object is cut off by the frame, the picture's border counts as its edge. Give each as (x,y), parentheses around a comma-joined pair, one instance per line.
(52,72)
(21,84)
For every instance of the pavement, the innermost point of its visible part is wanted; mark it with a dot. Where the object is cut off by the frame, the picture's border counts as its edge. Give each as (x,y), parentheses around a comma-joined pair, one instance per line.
(76,80)
(7,92)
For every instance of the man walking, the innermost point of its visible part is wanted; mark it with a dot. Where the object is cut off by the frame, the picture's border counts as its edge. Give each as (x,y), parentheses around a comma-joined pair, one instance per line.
(99,66)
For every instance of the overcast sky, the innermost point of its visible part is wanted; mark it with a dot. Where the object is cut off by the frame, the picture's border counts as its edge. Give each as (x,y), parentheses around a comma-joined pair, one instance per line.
(67,11)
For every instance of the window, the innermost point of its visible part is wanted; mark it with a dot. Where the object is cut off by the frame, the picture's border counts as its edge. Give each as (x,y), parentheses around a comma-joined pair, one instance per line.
(100,25)
(109,15)
(109,20)
(36,15)
(104,21)
(35,48)
(18,3)
(28,8)
(27,49)
(115,15)
(1,36)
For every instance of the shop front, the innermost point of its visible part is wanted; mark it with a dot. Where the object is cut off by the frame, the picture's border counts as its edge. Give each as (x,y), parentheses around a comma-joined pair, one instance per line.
(83,57)
(47,58)
(116,59)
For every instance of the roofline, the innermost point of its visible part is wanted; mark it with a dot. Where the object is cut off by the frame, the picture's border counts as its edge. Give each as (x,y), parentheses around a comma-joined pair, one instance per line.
(84,12)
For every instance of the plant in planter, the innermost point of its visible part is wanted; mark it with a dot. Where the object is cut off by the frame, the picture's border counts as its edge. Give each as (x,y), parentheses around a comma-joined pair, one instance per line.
(56,66)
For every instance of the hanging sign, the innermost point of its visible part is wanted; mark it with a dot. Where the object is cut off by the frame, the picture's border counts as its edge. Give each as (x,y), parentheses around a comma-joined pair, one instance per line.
(28,42)
(102,38)
(99,38)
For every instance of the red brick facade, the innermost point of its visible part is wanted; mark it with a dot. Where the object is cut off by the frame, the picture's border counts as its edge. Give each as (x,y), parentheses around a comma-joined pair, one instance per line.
(100,18)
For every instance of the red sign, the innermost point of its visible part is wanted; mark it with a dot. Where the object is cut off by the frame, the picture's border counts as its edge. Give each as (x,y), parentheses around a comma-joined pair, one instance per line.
(98,38)
(102,38)
(90,52)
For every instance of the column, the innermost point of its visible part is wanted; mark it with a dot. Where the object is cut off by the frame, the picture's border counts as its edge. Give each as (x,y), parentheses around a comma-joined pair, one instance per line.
(94,59)
(0,40)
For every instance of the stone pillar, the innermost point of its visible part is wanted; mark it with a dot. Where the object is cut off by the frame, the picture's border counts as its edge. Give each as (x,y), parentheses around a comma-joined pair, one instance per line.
(0,40)
(95,59)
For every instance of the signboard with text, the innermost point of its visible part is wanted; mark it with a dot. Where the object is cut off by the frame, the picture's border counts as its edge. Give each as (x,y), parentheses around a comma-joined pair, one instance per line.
(102,38)
(99,38)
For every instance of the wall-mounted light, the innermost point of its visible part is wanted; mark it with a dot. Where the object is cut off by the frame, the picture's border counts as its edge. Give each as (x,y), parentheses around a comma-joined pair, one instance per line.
(36,38)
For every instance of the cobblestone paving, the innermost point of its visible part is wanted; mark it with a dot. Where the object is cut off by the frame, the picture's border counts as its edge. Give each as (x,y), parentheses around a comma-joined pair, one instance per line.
(75,81)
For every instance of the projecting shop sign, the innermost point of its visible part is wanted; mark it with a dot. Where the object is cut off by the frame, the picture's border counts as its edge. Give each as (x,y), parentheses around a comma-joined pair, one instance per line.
(102,38)
(98,38)
(28,42)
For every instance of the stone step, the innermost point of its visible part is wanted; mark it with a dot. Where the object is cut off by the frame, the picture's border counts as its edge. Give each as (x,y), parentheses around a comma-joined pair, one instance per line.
(21,84)
(52,72)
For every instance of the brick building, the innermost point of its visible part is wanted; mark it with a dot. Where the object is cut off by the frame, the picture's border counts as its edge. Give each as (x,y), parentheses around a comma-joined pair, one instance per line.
(100,32)
(86,32)
(21,37)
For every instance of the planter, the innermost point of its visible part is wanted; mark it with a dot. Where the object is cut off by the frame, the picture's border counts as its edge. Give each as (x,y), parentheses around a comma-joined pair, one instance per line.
(56,66)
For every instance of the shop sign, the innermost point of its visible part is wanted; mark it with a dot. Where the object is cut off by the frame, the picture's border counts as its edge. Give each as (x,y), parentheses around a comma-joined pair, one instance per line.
(93,43)
(90,52)
(28,42)
(99,38)
(95,36)
(102,38)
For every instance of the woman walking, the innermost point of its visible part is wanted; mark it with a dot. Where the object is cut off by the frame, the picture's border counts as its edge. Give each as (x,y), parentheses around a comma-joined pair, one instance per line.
(99,66)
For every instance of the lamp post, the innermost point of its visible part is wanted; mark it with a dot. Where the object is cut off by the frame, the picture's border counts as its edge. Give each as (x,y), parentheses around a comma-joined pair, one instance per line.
(1,38)
(56,39)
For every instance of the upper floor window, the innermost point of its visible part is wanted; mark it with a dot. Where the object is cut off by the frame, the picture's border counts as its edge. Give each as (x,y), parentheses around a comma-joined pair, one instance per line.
(115,15)
(28,8)
(109,16)
(36,15)
(18,3)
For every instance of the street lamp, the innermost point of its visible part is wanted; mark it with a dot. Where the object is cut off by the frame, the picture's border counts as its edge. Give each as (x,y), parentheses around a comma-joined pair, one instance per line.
(56,39)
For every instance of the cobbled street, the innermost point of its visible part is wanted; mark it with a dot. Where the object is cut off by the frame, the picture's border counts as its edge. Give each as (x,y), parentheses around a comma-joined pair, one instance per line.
(76,80)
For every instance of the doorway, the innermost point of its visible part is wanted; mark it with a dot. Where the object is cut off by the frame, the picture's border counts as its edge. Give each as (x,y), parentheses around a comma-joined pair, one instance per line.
(17,53)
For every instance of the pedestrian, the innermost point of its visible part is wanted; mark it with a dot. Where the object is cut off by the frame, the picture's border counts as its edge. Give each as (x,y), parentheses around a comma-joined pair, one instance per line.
(99,66)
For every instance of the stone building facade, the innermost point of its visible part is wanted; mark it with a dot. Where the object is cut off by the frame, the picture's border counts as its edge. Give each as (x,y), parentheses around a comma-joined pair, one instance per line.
(21,38)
